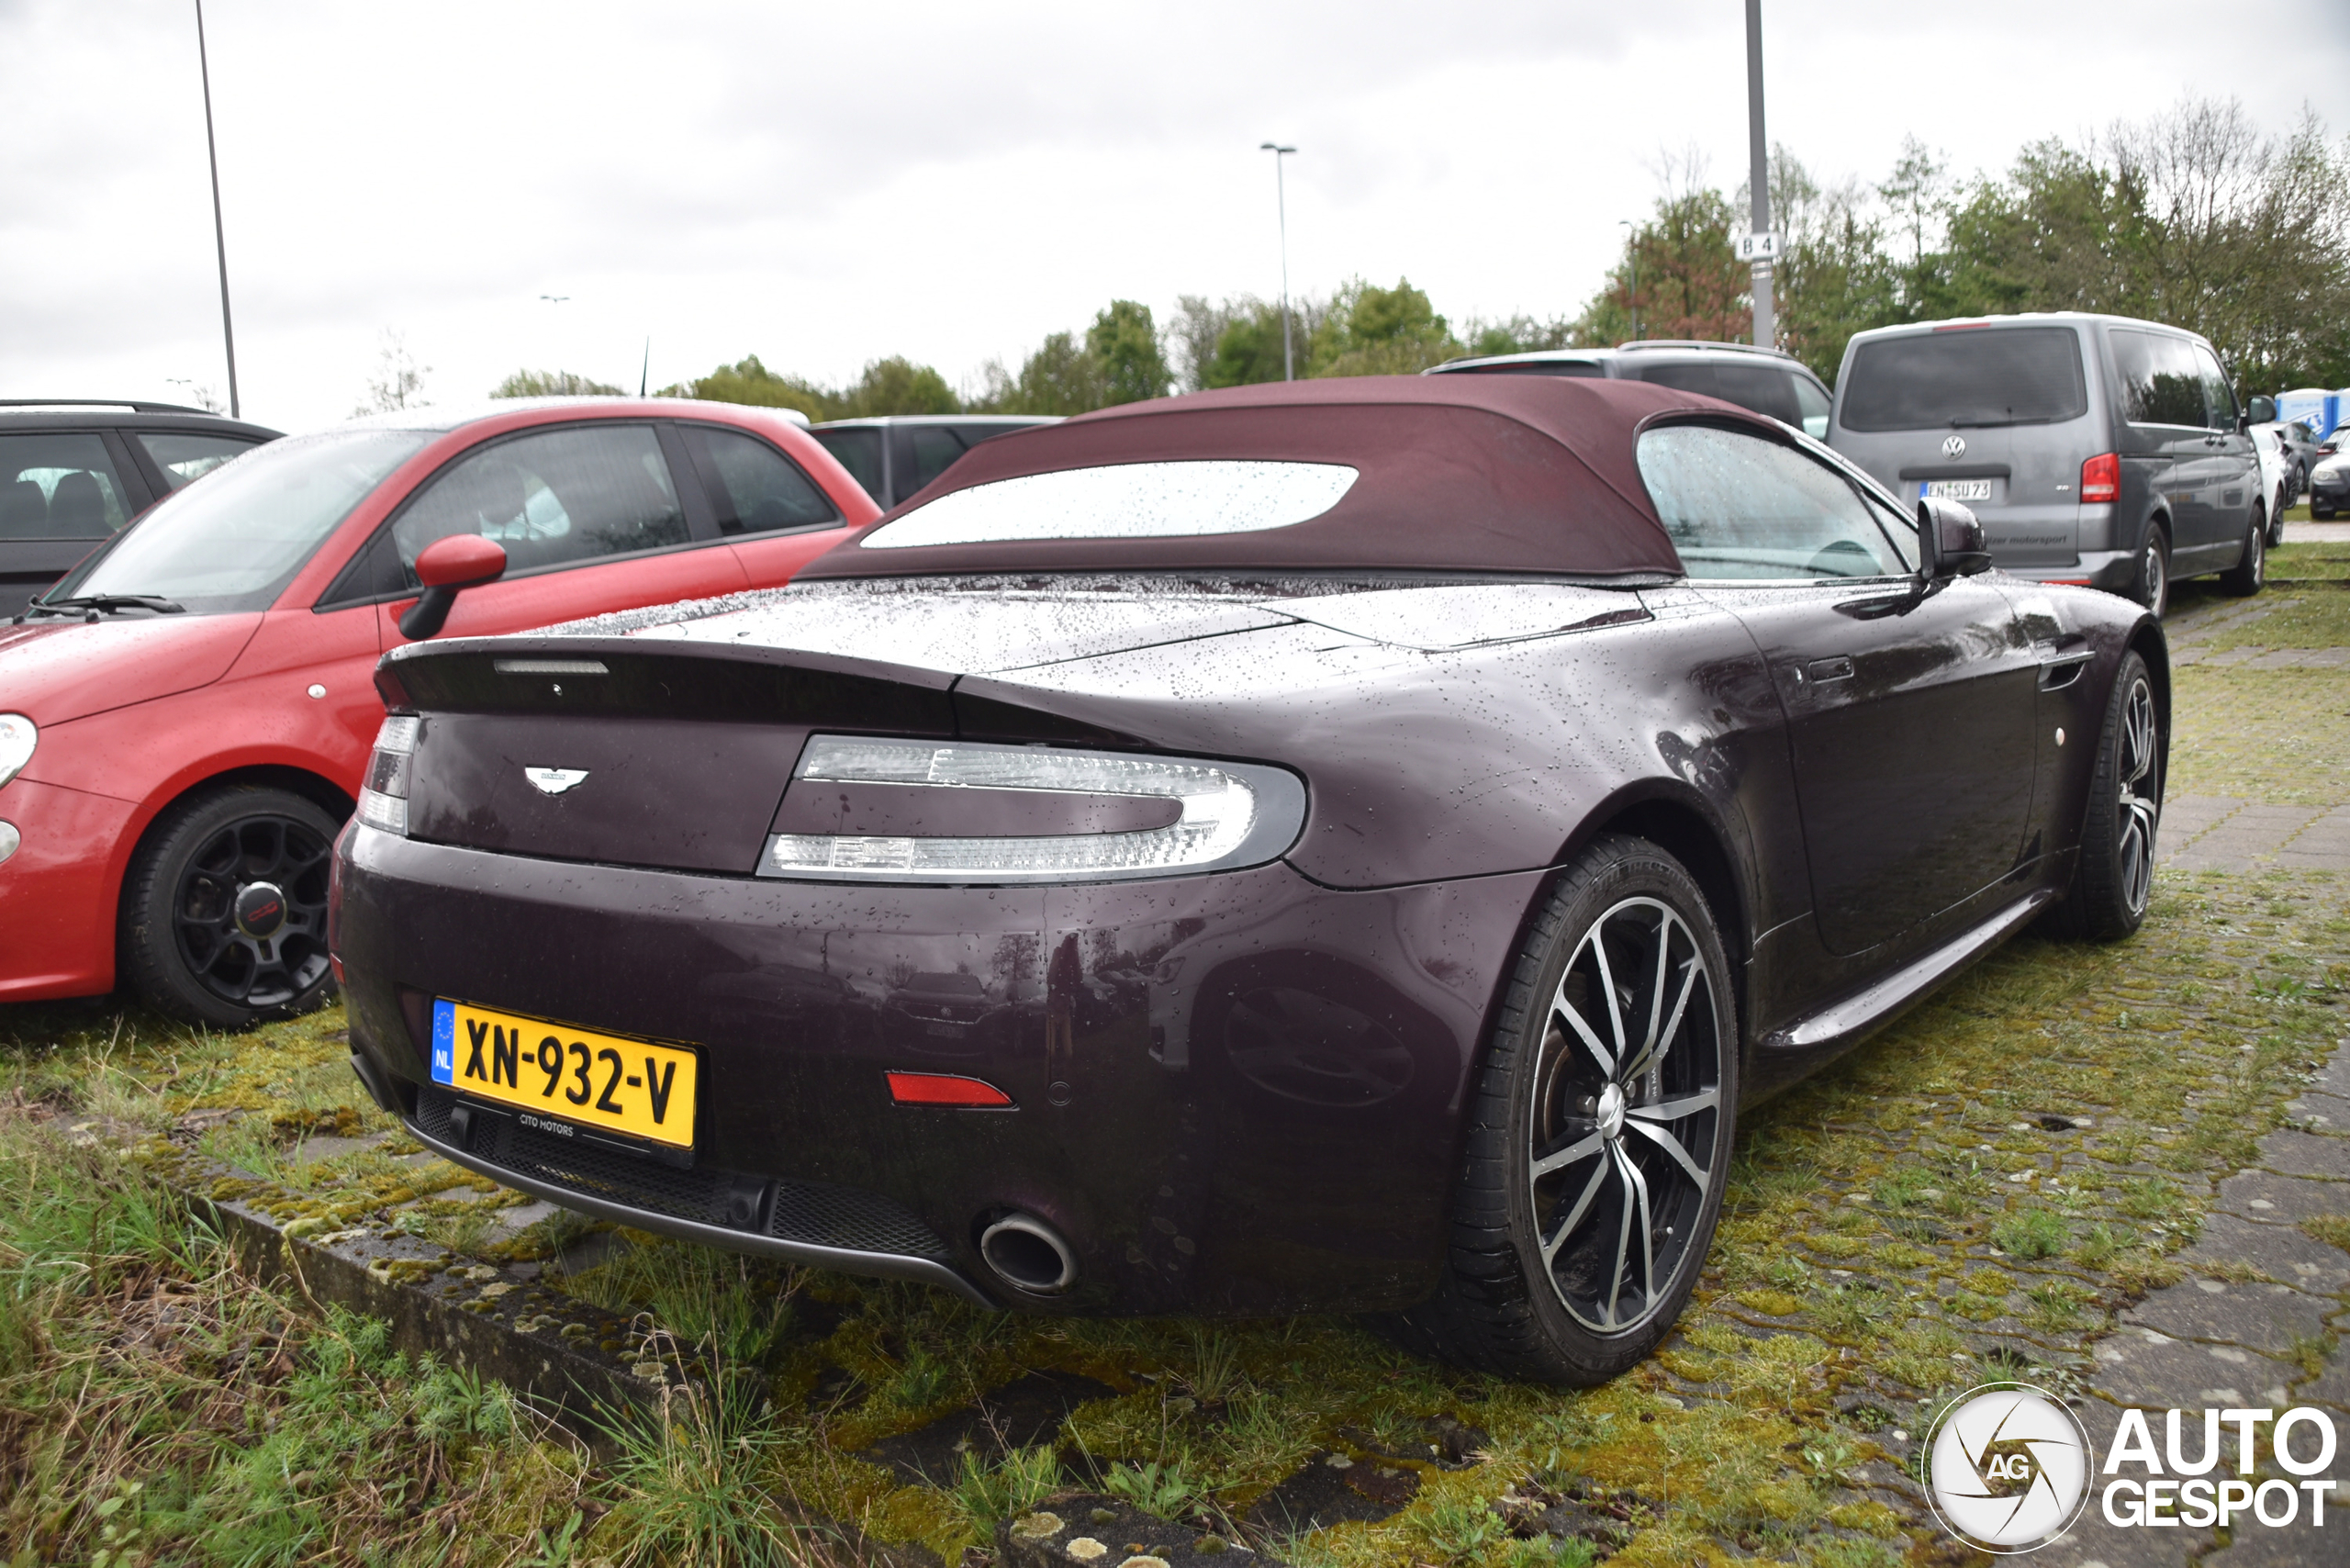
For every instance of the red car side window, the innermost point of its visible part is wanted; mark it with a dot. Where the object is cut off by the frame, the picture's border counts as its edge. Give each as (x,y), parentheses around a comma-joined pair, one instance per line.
(551,498)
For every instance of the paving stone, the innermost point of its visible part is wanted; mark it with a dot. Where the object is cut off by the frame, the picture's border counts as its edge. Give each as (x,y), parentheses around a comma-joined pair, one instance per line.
(2330,1386)
(316,1150)
(2290,1153)
(2334,1078)
(2263,1317)
(2281,1200)
(1332,1488)
(2282,1252)
(513,1221)
(2146,1368)
(2329,1113)
(1048,1536)
(1021,1414)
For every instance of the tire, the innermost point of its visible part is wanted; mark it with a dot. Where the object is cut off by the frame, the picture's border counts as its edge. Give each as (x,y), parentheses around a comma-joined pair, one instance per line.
(2113,880)
(2250,572)
(198,938)
(2152,586)
(2276,516)
(1573,1275)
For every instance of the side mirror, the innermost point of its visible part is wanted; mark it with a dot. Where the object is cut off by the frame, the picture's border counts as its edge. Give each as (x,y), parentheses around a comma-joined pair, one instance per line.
(2261,410)
(459,561)
(1950,540)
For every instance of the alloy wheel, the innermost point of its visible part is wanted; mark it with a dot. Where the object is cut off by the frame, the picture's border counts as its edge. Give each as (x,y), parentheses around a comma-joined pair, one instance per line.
(2138,800)
(1625,1136)
(249,911)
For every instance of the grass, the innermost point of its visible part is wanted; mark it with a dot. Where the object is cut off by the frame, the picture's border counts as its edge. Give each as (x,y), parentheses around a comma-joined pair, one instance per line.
(157,1406)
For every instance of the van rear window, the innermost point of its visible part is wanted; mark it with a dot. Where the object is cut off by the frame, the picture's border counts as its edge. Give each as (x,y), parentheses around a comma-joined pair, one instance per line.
(1980,376)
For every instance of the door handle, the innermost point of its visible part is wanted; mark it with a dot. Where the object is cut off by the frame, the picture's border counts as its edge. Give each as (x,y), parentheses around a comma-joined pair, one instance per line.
(1819,672)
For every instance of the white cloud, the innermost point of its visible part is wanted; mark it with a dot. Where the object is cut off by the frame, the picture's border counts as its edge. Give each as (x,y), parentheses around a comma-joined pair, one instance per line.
(825,184)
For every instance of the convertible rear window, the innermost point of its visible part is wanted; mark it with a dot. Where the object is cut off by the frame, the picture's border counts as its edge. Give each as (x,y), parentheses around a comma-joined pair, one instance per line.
(1975,376)
(1125,500)
(1739,506)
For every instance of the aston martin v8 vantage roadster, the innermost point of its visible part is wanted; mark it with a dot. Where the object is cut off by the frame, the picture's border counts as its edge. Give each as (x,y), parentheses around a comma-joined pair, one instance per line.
(1347,846)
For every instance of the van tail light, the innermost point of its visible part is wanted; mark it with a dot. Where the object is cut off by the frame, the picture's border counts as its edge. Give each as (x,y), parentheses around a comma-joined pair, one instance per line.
(2101,478)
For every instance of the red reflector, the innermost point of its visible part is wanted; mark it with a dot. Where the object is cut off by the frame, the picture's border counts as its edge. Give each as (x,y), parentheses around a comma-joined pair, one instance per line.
(2101,478)
(943,1089)
(336,965)
(2069,582)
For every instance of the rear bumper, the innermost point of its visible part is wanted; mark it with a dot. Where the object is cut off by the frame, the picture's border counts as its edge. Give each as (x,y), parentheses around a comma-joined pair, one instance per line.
(2115,571)
(1234,1093)
(56,897)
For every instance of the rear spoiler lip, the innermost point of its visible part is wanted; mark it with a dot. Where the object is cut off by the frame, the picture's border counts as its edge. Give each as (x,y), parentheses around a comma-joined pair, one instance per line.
(1002,711)
(524,645)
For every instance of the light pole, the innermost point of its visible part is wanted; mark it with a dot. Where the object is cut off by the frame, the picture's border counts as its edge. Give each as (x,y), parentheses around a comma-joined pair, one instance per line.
(1632,250)
(1759,176)
(1280,201)
(219,234)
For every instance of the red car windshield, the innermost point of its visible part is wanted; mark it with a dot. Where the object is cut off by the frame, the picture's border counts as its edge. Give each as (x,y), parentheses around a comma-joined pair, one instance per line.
(234,538)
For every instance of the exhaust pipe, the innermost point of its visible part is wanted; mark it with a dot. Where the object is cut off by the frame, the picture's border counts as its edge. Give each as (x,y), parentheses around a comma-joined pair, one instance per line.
(1028,1255)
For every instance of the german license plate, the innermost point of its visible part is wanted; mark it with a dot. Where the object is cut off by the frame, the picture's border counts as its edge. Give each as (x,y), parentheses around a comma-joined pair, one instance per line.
(1956,490)
(606,1082)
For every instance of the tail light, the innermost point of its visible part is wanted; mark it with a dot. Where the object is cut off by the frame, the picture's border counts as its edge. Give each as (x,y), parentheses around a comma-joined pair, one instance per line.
(383,800)
(2101,478)
(892,811)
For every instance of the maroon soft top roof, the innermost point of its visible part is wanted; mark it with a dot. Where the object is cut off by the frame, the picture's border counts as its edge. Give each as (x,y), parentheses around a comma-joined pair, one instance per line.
(1457,472)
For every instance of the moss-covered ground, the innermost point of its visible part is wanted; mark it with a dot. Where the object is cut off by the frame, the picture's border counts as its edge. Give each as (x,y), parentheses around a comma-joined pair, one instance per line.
(1974,1194)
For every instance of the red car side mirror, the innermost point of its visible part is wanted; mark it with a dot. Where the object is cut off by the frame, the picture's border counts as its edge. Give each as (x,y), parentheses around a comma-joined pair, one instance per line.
(459,561)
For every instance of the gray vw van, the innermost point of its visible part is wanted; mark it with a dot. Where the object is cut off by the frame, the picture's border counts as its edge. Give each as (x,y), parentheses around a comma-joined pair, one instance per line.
(2095,449)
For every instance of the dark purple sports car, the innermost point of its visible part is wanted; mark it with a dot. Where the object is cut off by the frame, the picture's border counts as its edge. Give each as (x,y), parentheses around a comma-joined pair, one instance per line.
(1342,847)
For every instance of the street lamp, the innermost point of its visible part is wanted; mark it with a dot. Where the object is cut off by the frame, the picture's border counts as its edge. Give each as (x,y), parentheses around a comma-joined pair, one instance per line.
(1280,199)
(1632,250)
(219,234)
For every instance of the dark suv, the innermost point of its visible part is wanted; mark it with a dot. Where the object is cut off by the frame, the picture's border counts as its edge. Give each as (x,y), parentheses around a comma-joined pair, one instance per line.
(71,472)
(1765,380)
(894,455)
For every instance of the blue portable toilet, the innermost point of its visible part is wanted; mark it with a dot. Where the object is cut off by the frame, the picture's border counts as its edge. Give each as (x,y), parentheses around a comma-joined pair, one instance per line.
(2320,410)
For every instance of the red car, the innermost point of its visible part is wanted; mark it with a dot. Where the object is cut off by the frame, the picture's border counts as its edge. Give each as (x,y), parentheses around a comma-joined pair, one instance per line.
(185,717)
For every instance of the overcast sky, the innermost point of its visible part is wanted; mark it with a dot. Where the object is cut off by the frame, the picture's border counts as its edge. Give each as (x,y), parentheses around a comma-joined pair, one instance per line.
(822,186)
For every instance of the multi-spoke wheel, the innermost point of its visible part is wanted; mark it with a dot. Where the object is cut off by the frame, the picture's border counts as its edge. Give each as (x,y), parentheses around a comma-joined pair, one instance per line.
(2115,878)
(224,915)
(1601,1134)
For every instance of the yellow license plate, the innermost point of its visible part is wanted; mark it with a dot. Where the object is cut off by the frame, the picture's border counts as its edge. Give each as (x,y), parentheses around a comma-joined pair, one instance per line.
(607,1082)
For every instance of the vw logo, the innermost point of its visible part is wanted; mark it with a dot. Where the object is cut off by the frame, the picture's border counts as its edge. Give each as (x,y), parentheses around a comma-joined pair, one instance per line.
(553,780)
(1953,447)
(2007,1469)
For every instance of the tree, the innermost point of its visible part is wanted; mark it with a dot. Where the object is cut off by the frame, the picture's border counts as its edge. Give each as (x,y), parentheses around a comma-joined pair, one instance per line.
(399,381)
(1518,334)
(1371,330)
(1834,276)
(551,384)
(748,381)
(1119,359)
(897,385)
(1060,378)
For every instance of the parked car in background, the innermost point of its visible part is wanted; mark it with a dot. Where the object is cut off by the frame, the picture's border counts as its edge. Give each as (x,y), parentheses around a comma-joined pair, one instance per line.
(894,455)
(1301,1009)
(2276,476)
(1765,380)
(2330,487)
(2301,441)
(184,718)
(2095,449)
(73,472)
